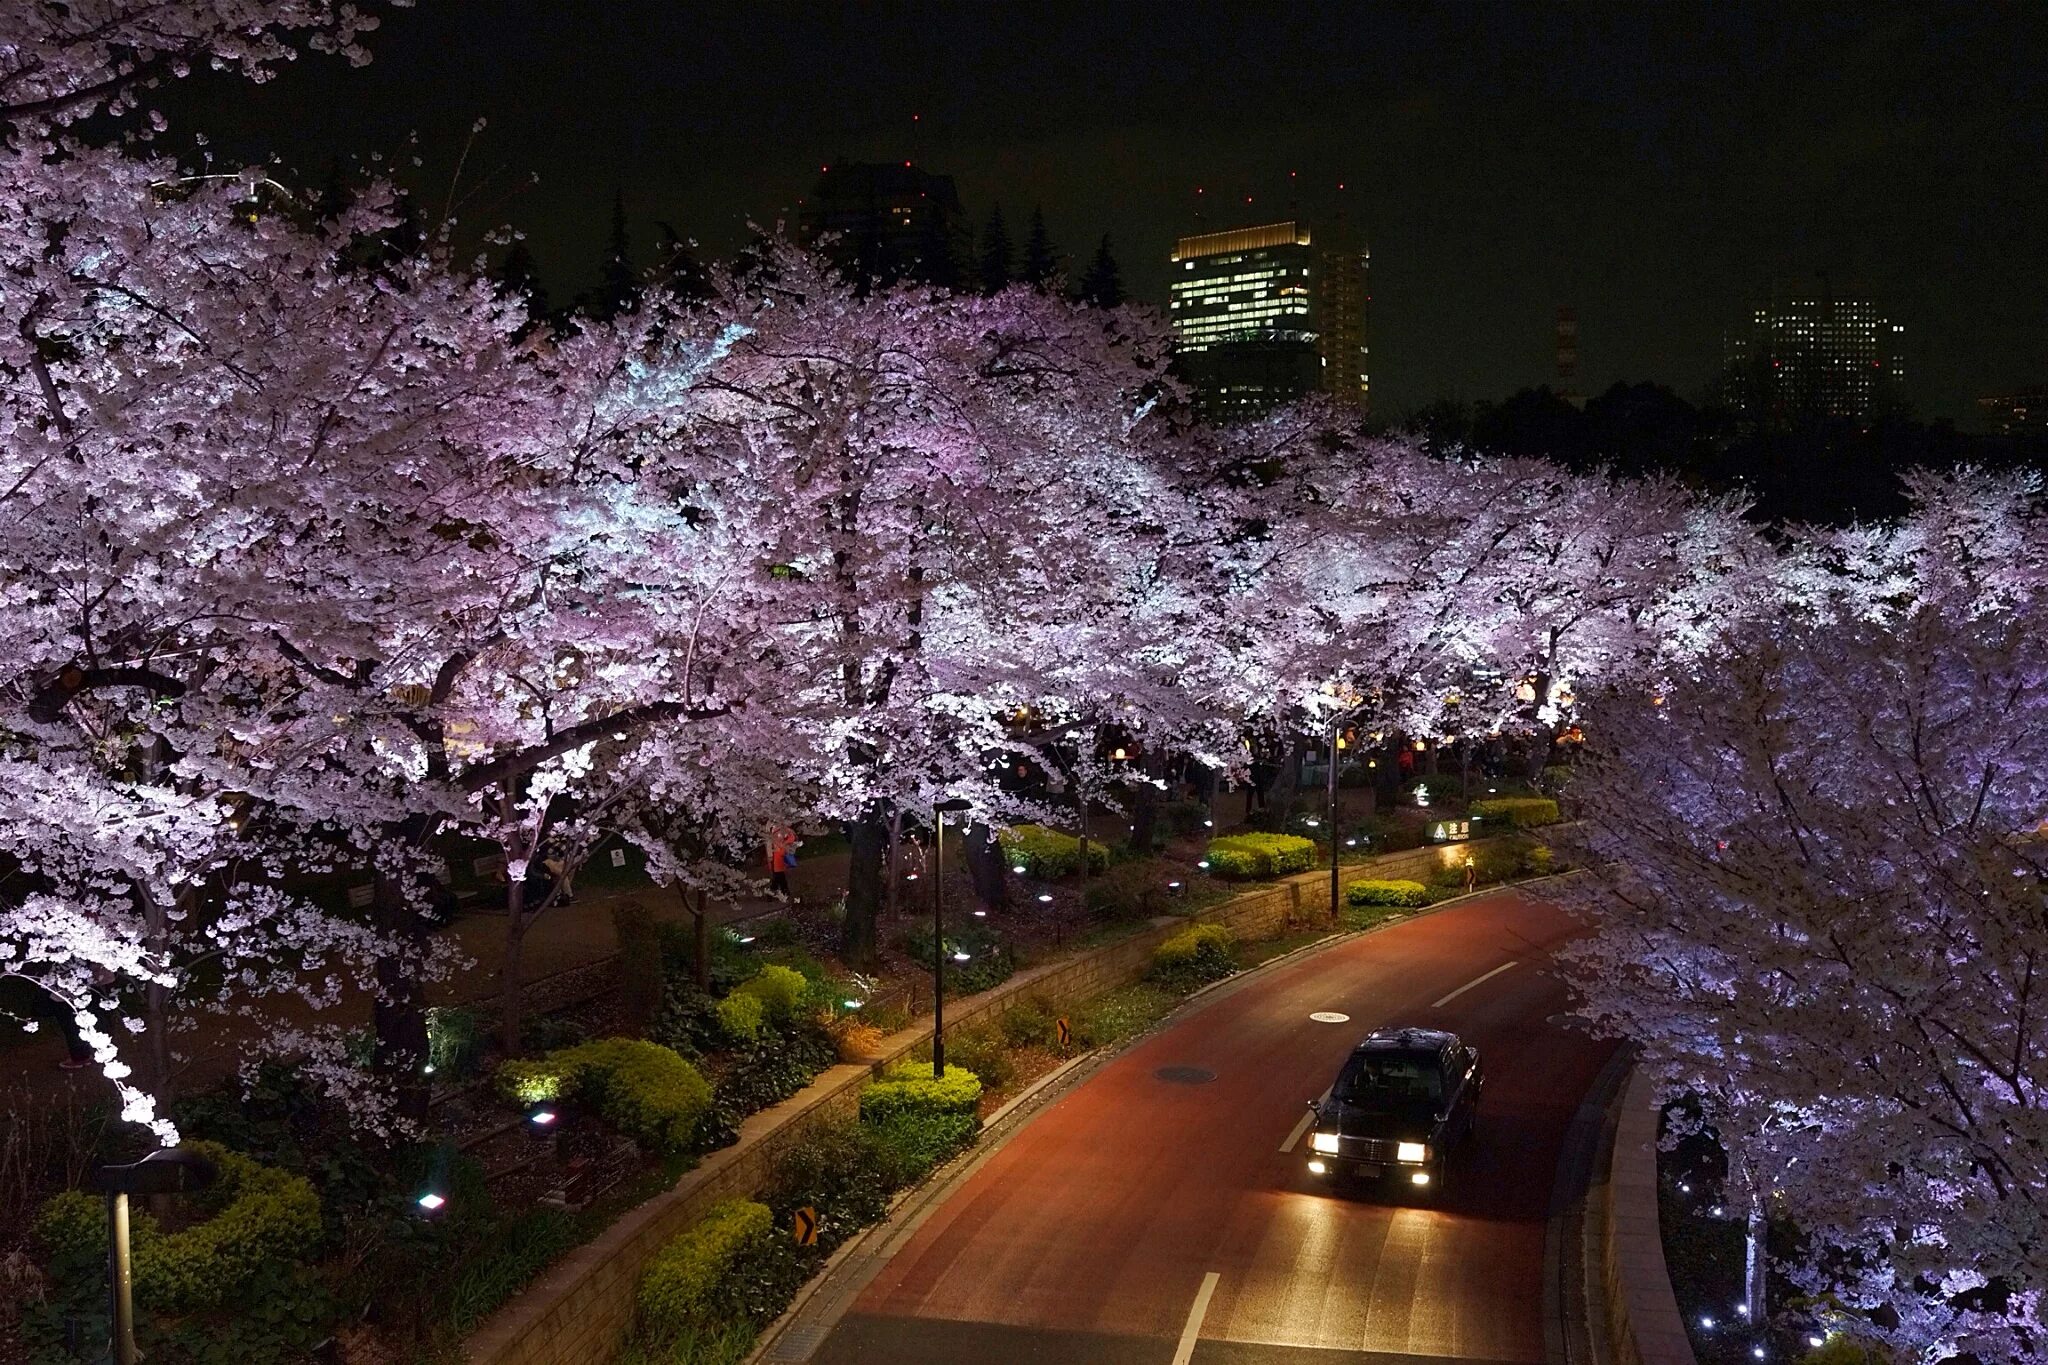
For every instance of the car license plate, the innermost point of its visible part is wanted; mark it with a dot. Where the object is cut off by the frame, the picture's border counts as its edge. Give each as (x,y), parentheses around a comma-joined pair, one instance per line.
(1370,1170)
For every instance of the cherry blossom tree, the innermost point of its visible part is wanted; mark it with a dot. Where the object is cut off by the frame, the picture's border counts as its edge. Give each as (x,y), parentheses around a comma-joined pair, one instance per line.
(1818,903)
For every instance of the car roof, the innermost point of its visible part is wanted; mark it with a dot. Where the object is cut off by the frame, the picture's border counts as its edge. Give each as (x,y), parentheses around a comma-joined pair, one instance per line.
(1421,1040)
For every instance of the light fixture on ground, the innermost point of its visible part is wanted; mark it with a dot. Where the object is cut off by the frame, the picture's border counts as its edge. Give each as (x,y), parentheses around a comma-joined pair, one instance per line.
(939,813)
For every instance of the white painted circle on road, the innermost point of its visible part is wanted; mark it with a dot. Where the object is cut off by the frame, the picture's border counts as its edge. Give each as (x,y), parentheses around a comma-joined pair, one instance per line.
(1330,1017)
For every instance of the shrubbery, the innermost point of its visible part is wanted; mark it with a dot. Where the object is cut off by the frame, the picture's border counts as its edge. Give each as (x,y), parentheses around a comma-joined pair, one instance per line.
(1260,855)
(257,1216)
(1043,852)
(910,1089)
(1379,892)
(645,1090)
(990,960)
(1031,1023)
(1128,892)
(1518,812)
(981,1049)
(681,1288)
(1185,817)
(1197,954)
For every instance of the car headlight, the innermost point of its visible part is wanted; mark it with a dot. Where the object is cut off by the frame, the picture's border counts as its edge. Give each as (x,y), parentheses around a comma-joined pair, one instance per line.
(1325,1143)
(1411,1151)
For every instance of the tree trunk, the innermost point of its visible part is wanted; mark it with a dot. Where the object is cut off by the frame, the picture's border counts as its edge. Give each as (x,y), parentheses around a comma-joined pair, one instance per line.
(700,947)
(1286,783)
(1755,1264)
(894,882)
(1144,801)
(986,868)
(858,941)
(399,1014)
(511,991)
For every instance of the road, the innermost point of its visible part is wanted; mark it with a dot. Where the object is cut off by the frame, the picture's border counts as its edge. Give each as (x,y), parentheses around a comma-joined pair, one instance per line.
(1155,1219)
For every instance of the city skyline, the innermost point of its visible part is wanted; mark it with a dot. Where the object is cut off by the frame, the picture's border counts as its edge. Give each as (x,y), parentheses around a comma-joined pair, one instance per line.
(1501,161)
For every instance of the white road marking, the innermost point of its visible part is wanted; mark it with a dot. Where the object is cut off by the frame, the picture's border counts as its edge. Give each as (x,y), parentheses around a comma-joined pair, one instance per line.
(1186,1351)
(1475,981)
(1299,1129)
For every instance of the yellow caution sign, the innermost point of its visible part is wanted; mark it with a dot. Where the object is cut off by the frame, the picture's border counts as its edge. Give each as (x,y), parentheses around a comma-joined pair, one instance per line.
(803,1225)
(1066,1032)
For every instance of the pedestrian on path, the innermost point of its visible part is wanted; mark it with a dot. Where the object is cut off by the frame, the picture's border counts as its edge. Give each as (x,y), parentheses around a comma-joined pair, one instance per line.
(781,857)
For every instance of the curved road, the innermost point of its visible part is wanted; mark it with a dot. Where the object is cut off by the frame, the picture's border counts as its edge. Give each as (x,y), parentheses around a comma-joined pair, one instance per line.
(1149,1220)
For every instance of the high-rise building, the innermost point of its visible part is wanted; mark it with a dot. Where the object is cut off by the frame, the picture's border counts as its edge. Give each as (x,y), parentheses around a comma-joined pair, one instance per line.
(1263,314)
(1810,354)
(887,221)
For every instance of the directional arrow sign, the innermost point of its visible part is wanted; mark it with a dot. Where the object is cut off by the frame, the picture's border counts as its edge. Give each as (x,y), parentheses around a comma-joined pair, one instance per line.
(1066,1033)
(804,1226)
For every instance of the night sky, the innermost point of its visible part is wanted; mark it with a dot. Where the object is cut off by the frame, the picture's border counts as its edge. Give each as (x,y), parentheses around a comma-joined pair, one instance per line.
(1653,165)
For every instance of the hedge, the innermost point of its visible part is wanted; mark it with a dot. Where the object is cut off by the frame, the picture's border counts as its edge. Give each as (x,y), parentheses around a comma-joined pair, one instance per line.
(1195,954)
(682,1284)
(1377,892)
(909,1089)
(1260,855)
(1043,852)
(646,1091)
(1522,812)
(260,1215)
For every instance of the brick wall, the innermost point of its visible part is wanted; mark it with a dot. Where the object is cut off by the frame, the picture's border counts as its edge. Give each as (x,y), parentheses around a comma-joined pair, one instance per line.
(580,1310)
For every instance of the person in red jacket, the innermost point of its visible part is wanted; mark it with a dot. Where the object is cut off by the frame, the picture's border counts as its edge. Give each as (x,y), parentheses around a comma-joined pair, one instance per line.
(781,857)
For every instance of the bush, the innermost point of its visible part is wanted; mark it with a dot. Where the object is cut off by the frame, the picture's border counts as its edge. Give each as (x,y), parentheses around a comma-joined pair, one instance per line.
(840,1170)
(1377,892)
(1839,1349)
(257,1216)
(1043,852)
(990,960)
(910,1145)
(1442,787)
(1555,777)
(910,1089)
(453,1044)
(1129,892)
(980,1048)
(1536,861)
(777,1064)
(1260,855)
(856,1040)
(742,1017)
(1030,1024)
(1185,817)
(1518,812)
(689,1021)
(1123,1013)
(680,1289)
(645,1090)
(1197,954)
(779,989)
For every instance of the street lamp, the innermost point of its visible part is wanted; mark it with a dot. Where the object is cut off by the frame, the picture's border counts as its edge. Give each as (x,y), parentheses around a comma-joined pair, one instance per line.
(939,812)
(164,1171)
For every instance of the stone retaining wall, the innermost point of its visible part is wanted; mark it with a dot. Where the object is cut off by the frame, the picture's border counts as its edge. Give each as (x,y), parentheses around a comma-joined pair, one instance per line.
(1643,1324)
(580,1310)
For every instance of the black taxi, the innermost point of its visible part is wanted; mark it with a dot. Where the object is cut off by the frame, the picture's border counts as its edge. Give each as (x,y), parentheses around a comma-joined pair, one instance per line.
(1404,1100)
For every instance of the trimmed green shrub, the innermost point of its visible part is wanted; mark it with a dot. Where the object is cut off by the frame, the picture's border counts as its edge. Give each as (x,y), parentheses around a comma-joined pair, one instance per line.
(838,1169)
(257,1215)
(681,1287)
(1377,892)
(742,1017)
(1043,852)
(777,1064)
(1519,812)
(909,1088)
(1536,860)
(1260,855)
(779,989)
(1197,954)
(645,1090)
(1185,817)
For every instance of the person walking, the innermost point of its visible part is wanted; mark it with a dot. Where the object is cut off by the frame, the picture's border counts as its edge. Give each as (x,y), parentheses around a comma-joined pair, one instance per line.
(781,858)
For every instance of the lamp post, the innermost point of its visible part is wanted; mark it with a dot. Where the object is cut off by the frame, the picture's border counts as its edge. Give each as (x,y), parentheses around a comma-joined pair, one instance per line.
(939,813)
(164,1171)
(1336,744)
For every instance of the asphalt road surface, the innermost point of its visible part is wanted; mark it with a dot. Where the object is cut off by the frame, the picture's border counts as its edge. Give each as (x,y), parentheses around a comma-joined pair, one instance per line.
(1151,1216)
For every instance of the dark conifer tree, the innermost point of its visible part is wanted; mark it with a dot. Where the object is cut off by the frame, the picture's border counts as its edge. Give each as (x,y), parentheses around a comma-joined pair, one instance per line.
(517,274)
(1041,262)
(938,264)
(1102,284)
(996,272)
(618,288)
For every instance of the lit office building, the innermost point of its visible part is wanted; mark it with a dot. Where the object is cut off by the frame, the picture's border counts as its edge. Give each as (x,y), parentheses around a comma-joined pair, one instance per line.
(1813,356)
(1263,314)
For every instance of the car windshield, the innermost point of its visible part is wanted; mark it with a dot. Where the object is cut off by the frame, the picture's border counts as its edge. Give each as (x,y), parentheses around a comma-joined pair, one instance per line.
(1387,1082)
